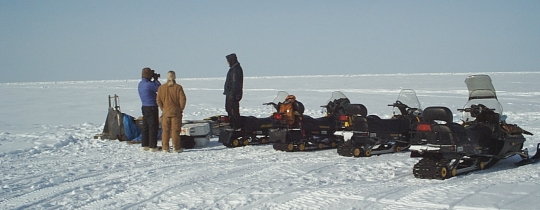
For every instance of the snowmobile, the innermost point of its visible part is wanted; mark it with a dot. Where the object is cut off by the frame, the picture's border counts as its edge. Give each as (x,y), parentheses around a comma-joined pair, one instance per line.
(373,135)
(302,132)
(252,130)
(482,139)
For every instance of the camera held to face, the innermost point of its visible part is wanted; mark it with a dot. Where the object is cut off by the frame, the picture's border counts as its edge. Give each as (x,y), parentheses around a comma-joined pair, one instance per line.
(155,75)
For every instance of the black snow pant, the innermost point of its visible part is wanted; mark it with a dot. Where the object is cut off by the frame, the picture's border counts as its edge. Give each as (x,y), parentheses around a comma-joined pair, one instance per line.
(232,105)
(150,126)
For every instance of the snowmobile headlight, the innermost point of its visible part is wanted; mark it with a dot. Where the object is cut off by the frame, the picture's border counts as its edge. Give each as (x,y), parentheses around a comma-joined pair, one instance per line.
(278,116)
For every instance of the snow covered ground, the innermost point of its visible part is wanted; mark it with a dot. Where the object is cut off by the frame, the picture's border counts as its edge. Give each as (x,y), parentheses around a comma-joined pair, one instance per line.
(49,159)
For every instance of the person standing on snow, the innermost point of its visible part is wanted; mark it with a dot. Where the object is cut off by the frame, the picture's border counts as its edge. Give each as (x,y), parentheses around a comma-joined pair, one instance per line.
(233,90)
(172,101)
(147,92)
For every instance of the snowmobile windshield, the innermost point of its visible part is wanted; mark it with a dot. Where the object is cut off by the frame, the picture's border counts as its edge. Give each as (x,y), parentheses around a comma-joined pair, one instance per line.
(336,104)
(281,96)
(480,87)
(336,95)
(491,103)
(481,92)
(408,97)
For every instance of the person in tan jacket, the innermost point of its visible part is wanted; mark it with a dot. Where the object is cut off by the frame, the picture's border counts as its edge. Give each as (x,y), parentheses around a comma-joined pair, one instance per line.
(172,101)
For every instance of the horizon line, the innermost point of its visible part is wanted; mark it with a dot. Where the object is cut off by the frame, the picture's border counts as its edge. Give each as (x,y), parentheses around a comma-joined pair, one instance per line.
(276,77)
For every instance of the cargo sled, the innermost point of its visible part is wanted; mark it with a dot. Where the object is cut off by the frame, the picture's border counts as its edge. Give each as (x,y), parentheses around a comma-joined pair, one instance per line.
(122,127)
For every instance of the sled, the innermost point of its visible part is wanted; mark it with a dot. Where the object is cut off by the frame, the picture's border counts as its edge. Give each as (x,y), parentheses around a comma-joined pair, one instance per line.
(194,133)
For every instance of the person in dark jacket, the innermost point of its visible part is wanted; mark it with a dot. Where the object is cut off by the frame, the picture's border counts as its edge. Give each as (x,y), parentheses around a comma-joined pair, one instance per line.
(233,90)
(148,91)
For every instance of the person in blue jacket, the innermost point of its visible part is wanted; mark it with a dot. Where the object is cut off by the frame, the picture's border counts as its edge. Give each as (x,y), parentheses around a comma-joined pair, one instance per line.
(148,91)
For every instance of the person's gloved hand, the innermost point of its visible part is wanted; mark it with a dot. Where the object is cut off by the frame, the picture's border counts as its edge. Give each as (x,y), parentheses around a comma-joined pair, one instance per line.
(238,96)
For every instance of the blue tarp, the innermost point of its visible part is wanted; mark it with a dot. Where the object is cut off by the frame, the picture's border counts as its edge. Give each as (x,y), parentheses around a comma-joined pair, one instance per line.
(133,133)
(130,128)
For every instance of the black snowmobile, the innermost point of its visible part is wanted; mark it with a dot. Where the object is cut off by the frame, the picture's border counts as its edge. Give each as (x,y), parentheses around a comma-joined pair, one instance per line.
(373,135)
(481,140)
(304,132)
(252,130)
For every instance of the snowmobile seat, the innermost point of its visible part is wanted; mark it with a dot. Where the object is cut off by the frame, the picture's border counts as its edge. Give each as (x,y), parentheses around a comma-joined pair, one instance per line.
(356,109)
(313,124)
(438,113)
(374,117)
(441,134)
(396,125)
(252,123)
(360,124)
(449,133)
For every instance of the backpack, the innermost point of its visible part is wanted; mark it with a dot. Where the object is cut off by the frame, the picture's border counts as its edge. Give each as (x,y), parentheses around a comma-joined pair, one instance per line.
(287,109)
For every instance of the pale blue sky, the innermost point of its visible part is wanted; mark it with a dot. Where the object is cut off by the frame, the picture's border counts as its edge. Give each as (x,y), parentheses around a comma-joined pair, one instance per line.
(59,40)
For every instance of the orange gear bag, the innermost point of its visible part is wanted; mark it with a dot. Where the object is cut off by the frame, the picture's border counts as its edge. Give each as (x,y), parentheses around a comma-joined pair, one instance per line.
(286,108)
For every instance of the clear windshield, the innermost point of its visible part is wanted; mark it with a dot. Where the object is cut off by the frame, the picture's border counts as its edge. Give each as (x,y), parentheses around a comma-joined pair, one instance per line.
(408,97)
(481,91)
(336,95)
(491,103)
(281,96)
(480,86)
(336,104)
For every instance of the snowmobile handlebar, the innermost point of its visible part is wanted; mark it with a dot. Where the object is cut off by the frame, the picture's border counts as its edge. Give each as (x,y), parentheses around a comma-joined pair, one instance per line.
(399,104)
(276,106)
(474,109)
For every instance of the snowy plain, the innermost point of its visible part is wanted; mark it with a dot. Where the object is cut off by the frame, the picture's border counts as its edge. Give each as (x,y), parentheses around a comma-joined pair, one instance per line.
(49,159)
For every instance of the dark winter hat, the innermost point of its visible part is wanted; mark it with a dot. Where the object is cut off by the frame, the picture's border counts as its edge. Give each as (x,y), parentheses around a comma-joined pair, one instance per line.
(147,73)
(232,58)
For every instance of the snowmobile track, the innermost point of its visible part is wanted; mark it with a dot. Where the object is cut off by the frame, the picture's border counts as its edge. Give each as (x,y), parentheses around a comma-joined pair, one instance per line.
(191,183)
(32,198)
(346,149)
